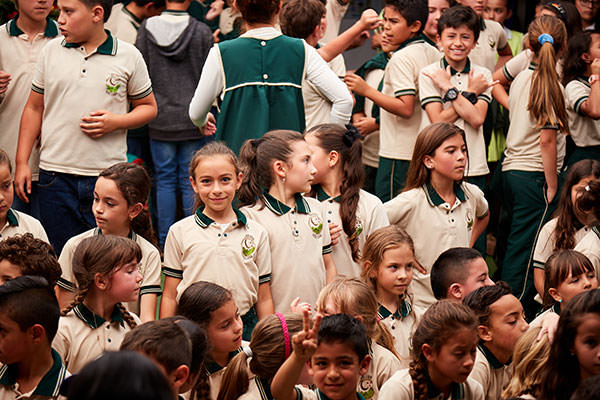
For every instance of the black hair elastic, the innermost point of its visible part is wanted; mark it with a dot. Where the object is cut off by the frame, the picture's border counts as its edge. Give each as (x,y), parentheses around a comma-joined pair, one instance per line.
(255,143)
(351,135)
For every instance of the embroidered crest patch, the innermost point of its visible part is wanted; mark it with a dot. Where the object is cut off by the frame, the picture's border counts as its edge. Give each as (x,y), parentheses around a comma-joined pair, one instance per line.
(112,84)
(315,224)
(469,218)
(248,246)
(359,226)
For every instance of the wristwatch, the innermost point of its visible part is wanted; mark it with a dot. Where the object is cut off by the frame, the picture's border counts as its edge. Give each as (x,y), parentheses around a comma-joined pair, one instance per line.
(451,95)
(471,96)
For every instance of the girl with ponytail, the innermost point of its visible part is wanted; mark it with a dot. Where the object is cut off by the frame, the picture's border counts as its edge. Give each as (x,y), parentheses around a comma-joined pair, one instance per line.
(106,270)
(120,197)
(337,156)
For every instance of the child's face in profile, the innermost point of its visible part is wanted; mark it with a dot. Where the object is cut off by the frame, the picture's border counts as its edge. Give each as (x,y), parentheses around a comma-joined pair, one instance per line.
(8,271)
(336,369)
(13,341)
(478,276)
(6,193)
(395,29)
(76,21)
(506,325)
(225,329)
(574,285)
(454,360)
(586,345)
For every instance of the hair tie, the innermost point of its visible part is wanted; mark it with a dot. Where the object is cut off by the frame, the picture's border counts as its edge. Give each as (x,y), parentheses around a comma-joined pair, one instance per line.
(545,38)
(286,335)
(587,188)
(351,135)
(255,143)
(247,351)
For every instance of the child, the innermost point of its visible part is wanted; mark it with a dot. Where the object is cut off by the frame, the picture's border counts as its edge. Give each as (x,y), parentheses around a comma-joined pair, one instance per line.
(457,272)
(277,169)
(353,297)
(436,9)
(500,11)
(588,11)
(250,372)
(444,346)
(218,244)
(400,113)
(574,352)
(568,273)
(125,18)
(589,202)
(581,73)
(106,270)
(450,87)
(13,222)
(80,97)
(437,209)
(174,45)
(25,255)
(213,308)
(569,224)
(335,351)
(29,317)
(262,70)
(529,358)
(388,264)
(120,197)
(501,323)
(21,41)
(336,154)
(535,149)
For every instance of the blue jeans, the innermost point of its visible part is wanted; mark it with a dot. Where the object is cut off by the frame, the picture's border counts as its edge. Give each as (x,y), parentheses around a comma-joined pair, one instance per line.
(65,205)
(33,207)
(171,163)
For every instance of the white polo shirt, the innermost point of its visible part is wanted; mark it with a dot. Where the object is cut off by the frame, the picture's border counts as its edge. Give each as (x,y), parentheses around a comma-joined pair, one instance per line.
(402,325)
(492,38)
(491,374)
(74,84)
(585,131)
(545,242)
(123,24)
(18,223)
(477,163)
(334,14)
(18,57)
(589,245)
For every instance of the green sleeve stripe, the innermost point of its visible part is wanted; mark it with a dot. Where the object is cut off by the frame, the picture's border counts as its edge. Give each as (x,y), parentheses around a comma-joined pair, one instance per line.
(37,89)
(142,95)
(174,273)
(507,74)
(578,104)
(431,99)
(539,265)
(264,278)
(405,92)
(65,284)
(327,249)
(150,289)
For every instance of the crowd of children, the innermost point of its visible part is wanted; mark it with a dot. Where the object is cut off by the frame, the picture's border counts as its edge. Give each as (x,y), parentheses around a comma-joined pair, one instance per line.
(336,240)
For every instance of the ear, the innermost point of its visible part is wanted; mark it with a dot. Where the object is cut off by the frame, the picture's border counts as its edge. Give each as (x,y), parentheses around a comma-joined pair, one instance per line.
(368,264)
(179,376)
(587,58)
(193,182)
(555,295)
(364,365)
(135,210)
(333,158)
(38,333)
(97,13)
(428,352)
(240,178)
(279,168)
(415,27)
(455,291)
(309,368)
(360,318)
(101,281)
(428,162)
(484,333)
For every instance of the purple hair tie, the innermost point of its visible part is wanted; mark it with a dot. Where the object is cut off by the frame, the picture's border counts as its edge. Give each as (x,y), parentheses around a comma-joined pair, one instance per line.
(286,334)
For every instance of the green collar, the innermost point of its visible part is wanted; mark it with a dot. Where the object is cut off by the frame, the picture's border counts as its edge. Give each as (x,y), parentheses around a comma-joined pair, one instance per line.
(401,313)
(434,198)
(596,230)
(12,218)
(457,390)
(50,31)
(556,308)
(322,195)
(444,64)
(204,222)
(95,321)
(532,66)
(429,41)
(109,47)
(280,209)
(321,395)
(264,388)
(49,386)
(175,12)
(413,40)
(132,235)
(131,15)
(492,360)
(481,23)
(211,365)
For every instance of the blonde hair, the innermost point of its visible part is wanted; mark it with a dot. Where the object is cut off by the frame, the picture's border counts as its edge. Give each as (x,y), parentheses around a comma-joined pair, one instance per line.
(529,357)
(354,297)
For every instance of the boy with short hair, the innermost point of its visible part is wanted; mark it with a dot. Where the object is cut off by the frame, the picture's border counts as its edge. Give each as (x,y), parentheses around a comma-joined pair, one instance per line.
(400,114)
(29,316)
(25,255)
(457,272)
(501,324)
(125,19)
(336,354)
(79,104)
(457,91)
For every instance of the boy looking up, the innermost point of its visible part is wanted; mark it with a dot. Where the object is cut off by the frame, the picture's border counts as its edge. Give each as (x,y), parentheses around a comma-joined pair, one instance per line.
(79,104)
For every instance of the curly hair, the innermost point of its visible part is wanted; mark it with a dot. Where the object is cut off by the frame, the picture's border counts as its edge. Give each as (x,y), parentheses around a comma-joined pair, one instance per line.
(33,256)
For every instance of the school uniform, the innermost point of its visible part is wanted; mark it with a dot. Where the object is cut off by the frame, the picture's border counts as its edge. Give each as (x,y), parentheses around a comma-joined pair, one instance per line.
(383,365)
(215,373)
(492,38)
(334,14)
(18,223)
(400,387)
(228,22)
(537,322)
(234,255)
(397,135)
(402,325)
(435,226)
(258,389)
(303,393)
(477,163)
(490,373)
(521,62)
(83,336)
(123,24)
(298,237)
(585,131)
(589,245)
(545,242)
(317,107)
(47,388)
(370,216)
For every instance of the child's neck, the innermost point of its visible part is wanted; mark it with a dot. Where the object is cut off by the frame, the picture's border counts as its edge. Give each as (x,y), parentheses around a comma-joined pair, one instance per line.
(33,368)
(99,304)
(332,182)
(30,26)
(95,40)
(220,216)
(283,194)
(444,187)
(457,65)
(440,382)
(500,355)
(171,5)
(220,358)
(123,231)
(388,300)
(259,25)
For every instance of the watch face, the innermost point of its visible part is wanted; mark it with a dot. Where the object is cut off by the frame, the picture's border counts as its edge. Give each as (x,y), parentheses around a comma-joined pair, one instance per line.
(451,94)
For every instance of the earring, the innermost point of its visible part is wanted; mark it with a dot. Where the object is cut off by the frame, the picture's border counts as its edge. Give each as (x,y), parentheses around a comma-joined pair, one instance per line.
(283,179)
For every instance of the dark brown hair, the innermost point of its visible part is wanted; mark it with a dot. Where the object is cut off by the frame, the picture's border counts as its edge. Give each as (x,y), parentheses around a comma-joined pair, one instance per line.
(258,11)
(198,302)
(5,160)
(589,201)
(105,4)
(33,256)
(299,18)
(559,266)
(481,299)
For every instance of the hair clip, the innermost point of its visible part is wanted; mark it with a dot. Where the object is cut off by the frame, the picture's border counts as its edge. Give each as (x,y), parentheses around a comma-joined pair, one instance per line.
(545,38)
(255,143)
(351,135)
(286,335)
(587,188)
(247,351)
(562,13)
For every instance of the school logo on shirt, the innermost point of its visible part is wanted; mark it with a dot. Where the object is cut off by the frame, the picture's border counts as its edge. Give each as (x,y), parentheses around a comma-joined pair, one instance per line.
(248,246)
(112,84)
(469,218)
(316,225)
(365,386)
(359,226)
(491,42)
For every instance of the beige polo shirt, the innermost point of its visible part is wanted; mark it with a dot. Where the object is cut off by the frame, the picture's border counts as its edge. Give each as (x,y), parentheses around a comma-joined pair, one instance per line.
(235,256)
(227,19)
(544,245)
(585,131)
(149,266)
(383,365)
(215,372)
(537,322)
(18,57)
(123,24)
(477,163)
(491,374)
(317,107)
(48,388)
(402,325)
(589,245)
(397,135)
(435,226)
(371,141)
(370,216)
(18,223)
(83,336)
(400,386)
(517,64)
(492,38)
(74,84)
(334,13)
(298,237)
